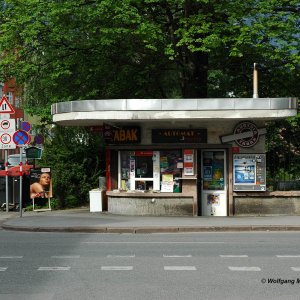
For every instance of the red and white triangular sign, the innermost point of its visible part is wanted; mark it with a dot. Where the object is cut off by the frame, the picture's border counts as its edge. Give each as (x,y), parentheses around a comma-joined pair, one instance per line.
(5,106)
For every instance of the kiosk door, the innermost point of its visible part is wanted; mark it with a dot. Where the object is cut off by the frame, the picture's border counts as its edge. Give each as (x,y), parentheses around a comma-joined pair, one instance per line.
(213,183)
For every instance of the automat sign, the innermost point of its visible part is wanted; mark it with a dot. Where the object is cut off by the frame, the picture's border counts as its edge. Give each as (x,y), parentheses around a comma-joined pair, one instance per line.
(179,135)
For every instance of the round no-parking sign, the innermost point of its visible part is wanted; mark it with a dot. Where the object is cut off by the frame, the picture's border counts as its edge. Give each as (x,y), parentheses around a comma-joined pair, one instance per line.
(21,137)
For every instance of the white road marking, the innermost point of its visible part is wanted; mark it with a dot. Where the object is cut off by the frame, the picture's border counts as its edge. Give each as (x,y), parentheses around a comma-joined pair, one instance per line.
(152,242)
(233,256)
(65,256)
(180,268)
(2,269)
(288,256)
(176,256)
(11,257)
(54,268)
(296,269)
(120,256)
(117,268)
(248,269)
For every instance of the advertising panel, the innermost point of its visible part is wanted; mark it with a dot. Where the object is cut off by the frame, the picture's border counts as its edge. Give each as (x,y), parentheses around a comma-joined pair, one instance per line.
(40,183)
(249,172)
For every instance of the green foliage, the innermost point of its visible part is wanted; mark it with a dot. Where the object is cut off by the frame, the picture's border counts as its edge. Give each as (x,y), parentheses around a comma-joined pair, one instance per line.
(55,204)
(76,159)
(79,49)
(283,145)
(103,49)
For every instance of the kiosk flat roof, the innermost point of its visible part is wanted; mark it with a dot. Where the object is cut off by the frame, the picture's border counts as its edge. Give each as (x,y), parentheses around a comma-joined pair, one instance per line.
(95,112)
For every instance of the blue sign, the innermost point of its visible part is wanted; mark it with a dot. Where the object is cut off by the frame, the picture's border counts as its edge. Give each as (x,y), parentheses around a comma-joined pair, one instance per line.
(39,139)
(26,126)
(21,137)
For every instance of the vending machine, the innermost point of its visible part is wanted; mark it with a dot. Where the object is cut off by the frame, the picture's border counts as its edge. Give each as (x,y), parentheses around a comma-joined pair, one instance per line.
(249,172)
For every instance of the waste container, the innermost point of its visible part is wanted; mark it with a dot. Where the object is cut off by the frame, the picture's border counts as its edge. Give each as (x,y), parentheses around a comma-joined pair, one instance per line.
(102,183)
(96,198)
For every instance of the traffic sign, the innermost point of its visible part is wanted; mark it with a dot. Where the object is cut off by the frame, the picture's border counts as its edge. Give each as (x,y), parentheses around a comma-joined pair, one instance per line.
(8,125)
(26,126)
(39,139)
(21,137)
(5,138)
(5,106)
(7,129)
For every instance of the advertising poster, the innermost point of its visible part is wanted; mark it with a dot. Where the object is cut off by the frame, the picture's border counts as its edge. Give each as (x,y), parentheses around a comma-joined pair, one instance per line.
(213,170)
(207,173)
(245,174)
(249,172)
(188,162)
(167,187)
(213,199)
(40,183)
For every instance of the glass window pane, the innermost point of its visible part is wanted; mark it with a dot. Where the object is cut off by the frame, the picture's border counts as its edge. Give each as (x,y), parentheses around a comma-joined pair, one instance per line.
(143,167)
(213,170)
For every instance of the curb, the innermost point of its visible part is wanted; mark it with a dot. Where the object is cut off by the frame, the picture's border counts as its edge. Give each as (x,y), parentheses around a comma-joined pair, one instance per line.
(145,230)
(6,218)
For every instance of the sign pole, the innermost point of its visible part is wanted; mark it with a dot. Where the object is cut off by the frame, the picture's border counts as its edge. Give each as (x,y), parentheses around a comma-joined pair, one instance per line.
(7,128)
(6,181)
(21,180)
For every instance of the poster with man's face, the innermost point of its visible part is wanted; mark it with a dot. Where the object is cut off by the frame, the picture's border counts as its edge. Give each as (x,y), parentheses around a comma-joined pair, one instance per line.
(40,183)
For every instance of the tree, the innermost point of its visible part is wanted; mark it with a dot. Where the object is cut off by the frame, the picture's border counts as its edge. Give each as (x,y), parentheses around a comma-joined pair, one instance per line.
(76,157)
(77,49)
(88,49)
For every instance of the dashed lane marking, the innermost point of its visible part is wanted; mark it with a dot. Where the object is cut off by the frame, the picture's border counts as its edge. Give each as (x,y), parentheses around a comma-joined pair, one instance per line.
(11,257)
(173,243)
(288,256)
(120,256)
(65,256)
(117,268)
(296,269)
(54,268)
(2,269)
(247,269)
(180,268)
(233,256)
(177,256)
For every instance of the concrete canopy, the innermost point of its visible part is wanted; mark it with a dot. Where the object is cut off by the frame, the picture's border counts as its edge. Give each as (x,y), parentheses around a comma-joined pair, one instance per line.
(95,112)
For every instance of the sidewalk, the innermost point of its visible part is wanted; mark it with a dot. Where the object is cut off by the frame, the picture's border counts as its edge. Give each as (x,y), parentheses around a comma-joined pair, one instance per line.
(82,220)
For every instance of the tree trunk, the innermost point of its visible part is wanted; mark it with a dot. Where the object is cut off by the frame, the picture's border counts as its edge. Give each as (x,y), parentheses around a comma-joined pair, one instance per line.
(194,79)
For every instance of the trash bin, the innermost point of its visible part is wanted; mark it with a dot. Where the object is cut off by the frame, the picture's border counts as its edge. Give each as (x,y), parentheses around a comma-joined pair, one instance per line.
(102,183)
(96,198)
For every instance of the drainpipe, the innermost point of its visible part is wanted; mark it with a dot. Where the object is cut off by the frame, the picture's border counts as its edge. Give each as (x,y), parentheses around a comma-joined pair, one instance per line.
(255,82)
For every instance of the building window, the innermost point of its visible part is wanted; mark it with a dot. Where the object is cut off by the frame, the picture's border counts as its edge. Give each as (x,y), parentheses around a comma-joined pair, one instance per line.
(125,169)
(18,102)
(150,170)
(10,97)
(170,171)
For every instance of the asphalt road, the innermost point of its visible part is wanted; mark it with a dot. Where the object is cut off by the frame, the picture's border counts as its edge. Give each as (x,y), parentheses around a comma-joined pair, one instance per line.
(261,265)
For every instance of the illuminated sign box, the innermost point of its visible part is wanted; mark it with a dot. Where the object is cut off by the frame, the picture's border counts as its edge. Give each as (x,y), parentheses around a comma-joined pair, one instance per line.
(249,172)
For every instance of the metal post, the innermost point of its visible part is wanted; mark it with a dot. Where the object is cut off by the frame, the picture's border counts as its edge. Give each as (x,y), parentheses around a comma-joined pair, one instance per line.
(255,81)
(21,179)
(6,181)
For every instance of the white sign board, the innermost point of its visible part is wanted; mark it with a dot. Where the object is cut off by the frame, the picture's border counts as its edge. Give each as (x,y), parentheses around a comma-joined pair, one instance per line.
(7,130)
(5,106)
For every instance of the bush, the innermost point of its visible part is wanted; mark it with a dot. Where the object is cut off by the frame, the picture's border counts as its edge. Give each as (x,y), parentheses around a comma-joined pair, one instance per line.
(76,158)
